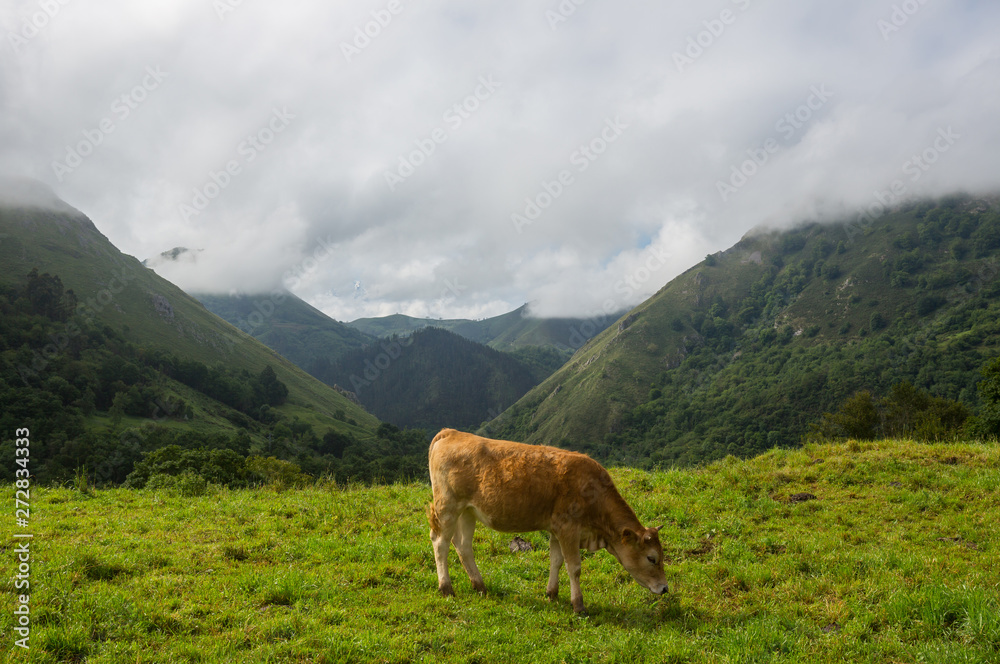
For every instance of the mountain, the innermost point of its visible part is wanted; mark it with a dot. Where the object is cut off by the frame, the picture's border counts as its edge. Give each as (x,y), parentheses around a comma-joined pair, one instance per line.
(288,325)
(397,324)
(746,349)
(278,319)
(114,349)
(506,332)
(341,355)
(432,378)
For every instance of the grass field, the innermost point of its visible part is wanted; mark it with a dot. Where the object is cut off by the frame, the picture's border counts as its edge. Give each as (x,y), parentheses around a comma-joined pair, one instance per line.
(895,560)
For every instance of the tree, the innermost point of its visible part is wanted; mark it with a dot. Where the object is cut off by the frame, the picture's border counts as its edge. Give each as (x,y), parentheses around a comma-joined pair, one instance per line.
(46,297)
(117,410)
(857,417)
(987,423)
(273,391)
(906,411)
(334,443)
(219,466)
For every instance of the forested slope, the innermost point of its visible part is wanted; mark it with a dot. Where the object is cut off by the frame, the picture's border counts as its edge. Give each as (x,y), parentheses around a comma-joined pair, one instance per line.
(743,351)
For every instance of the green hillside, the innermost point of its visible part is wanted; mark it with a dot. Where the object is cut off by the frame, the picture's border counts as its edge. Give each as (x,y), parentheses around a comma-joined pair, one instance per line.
(431,379)
(507,332)
(894,560)
(396,324)
(86,326)
(743,351)
(288,325)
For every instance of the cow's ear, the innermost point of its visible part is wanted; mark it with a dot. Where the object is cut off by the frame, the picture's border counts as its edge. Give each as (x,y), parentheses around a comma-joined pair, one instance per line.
(629,536)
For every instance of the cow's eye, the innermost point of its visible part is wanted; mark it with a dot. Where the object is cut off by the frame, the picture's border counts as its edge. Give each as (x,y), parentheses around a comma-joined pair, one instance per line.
(651,559)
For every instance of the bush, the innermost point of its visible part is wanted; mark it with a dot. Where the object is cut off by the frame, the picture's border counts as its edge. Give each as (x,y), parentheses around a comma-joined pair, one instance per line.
(929,304)
(277,473)
(857,417)
(987,423)
(218,466)
(187,484)
(906,411)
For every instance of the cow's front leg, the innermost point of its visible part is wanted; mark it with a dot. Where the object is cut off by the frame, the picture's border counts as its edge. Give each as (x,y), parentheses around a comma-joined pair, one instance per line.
(571,553)
(555,562)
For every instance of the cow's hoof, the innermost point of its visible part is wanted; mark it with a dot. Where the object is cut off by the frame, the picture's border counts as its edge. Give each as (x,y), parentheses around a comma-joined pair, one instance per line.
(446,591)
(479,587)
(553,595)
(579,609)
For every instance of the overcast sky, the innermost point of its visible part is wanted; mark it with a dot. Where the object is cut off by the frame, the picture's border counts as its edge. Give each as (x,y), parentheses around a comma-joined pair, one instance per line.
(457,159)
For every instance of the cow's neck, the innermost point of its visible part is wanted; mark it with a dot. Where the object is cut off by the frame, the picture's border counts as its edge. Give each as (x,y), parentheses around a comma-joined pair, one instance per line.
(617,517)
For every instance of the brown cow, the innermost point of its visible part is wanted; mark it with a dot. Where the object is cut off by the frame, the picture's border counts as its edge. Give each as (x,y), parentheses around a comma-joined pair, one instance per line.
(513,487)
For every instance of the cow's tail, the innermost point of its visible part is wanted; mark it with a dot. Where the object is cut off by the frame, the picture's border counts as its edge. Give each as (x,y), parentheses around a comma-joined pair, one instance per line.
(432,518)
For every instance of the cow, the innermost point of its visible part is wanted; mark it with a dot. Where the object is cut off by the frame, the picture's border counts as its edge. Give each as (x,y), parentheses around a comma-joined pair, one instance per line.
(514,487)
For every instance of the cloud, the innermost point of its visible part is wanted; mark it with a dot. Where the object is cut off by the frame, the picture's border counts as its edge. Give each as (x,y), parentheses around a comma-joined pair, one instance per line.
(22,192)
(458,161)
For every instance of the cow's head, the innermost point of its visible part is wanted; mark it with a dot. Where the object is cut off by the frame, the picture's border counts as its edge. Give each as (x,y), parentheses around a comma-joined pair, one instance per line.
(642,555)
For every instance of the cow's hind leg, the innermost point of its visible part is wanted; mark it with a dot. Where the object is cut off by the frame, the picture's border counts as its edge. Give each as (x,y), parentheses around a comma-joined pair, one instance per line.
(555,562)
(442,530)
(463,543)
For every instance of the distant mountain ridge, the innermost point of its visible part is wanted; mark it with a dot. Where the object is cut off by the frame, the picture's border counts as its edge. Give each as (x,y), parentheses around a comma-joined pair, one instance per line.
(342,355)
(287,324)
(278,319)
(431,379)
(509,331)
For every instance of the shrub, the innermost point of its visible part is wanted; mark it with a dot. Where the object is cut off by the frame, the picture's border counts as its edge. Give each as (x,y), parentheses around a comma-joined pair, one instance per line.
(218,466)
(187,484)
(906,411)
(987,423)
(277,473)
(929,304)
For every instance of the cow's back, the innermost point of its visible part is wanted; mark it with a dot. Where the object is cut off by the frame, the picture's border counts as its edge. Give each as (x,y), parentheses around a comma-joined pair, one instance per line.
(511,486)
